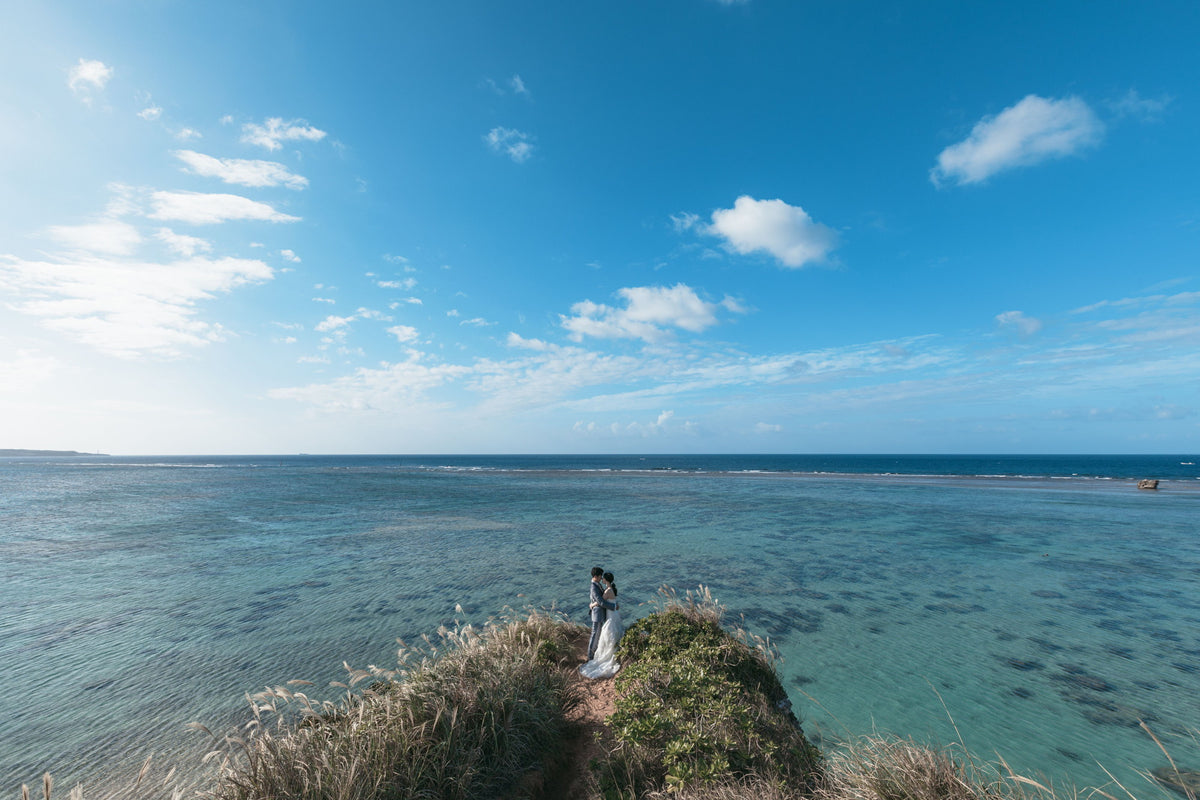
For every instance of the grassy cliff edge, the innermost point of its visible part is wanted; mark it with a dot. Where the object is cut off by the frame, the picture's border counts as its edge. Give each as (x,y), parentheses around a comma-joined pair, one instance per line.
(486,712)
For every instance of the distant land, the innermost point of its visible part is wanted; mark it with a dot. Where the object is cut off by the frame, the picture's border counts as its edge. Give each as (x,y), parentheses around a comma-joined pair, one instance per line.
(4,453)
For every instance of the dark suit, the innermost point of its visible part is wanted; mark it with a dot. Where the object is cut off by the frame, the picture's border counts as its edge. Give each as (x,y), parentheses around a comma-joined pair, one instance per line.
(599,614)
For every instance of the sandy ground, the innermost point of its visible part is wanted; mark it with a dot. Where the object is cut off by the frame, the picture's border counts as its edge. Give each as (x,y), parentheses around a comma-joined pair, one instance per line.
(572,780)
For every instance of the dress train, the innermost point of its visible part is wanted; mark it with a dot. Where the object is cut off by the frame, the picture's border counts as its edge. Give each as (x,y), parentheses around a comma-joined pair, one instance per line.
(604,662)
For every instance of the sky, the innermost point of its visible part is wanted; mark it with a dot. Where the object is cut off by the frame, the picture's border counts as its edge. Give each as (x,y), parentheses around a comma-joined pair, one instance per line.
(651,226)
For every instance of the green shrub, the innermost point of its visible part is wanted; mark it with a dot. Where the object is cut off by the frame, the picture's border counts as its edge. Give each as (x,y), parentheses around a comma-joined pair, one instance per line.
(697,705)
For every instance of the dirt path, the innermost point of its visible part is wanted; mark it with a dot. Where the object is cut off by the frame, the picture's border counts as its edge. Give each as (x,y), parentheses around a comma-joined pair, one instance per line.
(572,780)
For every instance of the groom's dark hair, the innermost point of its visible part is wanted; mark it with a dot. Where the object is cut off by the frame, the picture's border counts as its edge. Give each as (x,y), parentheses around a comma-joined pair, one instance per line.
(597,572)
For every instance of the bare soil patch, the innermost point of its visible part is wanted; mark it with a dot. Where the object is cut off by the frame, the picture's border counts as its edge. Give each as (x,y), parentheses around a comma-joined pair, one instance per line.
(572,779)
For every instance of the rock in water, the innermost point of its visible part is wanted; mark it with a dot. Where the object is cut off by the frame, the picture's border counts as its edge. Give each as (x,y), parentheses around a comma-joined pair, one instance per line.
(1148,483)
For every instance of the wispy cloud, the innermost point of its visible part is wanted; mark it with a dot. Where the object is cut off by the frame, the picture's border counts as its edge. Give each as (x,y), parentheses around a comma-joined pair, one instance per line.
(517,145)
(1061,368)
(182,244)
(111,237)
(88,78)
(1034,130)
(1132,104)
(649,314)
(784,231)
(240,171)
(407,284)
(684,221)
(275,131)
(1016,320)
(339,326)
(663,424)
(515,84)
(387,389)
(333,323)
(199,208)
(125,307)
(517,340)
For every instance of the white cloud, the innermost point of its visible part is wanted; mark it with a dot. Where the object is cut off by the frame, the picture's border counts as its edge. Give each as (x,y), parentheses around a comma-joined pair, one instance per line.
(1026,326)
(329,300)
(333,323)
(389,388)
(648,314)
(198,208)
(182,244)
(513,143)
(339,326)
(640,429)
(241,171)
(1033,130)
(289,255)
(407,284)
(785,231)
(126,308)
(518,85)
(111,237)
(87,77)
(150,113)
(783,393)
(274,131)
(187,134)
(478,322)
(403,333)
(517,340)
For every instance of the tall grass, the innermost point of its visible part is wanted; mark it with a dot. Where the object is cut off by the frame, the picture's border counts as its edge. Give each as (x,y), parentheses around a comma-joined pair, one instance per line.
(482,713)
(465,720)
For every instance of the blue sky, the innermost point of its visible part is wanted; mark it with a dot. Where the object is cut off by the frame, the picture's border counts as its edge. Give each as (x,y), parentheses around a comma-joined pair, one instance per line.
(653,226)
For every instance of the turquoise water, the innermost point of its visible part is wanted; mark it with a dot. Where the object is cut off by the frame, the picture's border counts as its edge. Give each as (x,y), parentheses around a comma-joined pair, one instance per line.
(1049,605)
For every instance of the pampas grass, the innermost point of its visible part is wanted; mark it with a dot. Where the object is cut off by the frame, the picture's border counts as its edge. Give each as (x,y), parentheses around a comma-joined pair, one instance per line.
(466,718)
(480,712)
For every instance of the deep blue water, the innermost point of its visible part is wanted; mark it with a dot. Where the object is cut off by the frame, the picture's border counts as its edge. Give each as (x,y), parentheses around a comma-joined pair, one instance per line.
(1044,600)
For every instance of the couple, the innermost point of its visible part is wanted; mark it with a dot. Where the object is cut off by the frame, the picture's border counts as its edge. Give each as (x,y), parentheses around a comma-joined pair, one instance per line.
(606,627)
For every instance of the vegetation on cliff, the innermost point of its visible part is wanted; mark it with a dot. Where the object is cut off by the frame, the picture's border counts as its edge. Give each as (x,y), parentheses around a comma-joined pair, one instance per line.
(486,712)
(697,706)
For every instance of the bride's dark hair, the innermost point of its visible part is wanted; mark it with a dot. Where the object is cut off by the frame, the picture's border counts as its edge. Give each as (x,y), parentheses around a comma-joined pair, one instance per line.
(608,576)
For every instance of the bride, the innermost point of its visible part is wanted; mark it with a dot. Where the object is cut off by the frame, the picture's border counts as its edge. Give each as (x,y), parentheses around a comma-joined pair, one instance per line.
(604,662)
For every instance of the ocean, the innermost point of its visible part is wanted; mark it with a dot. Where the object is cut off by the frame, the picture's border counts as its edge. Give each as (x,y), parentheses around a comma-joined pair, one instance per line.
(1032,607)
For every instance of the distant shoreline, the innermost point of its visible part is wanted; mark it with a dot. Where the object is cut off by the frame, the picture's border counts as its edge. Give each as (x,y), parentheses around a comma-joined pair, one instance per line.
(7,453)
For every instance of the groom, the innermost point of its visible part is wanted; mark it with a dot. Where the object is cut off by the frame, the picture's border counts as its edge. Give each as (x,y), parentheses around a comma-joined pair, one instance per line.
(599,609)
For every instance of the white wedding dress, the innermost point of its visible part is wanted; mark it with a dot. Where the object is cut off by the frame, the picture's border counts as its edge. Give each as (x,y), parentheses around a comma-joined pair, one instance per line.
(604,662)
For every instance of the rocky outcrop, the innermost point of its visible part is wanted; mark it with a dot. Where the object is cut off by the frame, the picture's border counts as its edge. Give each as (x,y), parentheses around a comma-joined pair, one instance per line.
(1148,483)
